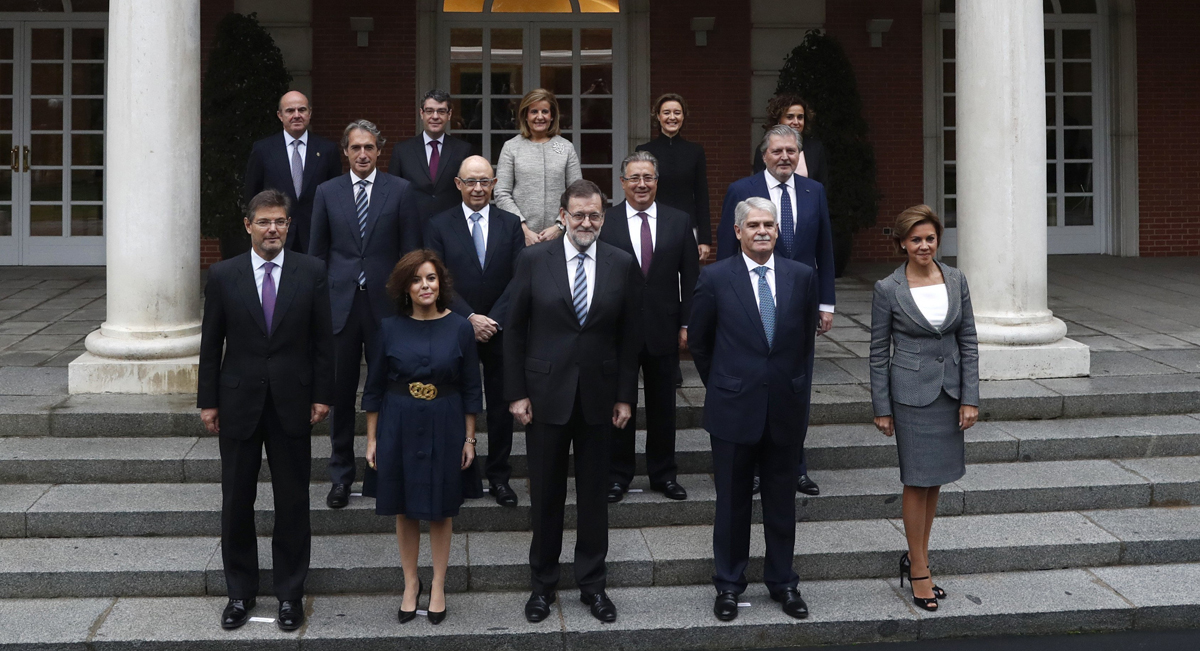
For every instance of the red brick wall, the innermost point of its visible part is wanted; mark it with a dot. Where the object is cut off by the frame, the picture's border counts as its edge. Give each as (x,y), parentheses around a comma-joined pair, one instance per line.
(1168,63)
(890,83)
(714,79)
(375,82)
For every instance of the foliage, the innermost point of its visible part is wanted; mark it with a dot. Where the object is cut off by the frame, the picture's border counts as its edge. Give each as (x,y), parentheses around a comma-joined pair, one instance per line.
(239,99)
(819,71)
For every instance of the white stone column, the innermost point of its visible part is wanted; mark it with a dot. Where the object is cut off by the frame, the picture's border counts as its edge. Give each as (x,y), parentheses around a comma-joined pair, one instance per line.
(1001,159)
(151,337)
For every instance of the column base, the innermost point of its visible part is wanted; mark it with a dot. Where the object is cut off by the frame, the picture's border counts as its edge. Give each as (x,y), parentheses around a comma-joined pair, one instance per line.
(94,374)
(1063,358)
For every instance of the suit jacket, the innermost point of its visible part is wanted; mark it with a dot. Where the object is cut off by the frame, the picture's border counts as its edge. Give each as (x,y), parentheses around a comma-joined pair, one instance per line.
(477,289)
(925,360)
(392,230)
(813,243)
(816,160)
(240,362)
(270,166)
(667,291)
(433,195)
(548,355)
(752,387)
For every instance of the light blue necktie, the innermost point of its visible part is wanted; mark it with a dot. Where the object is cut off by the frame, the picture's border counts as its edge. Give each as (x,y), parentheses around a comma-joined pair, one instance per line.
(787,224)
(579,296)
(766,304)
(362,204)
(477,235)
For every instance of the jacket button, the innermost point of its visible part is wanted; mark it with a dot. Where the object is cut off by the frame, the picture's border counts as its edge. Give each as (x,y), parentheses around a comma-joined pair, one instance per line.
(939,337)
(421,455)
(262,381)
(940,359)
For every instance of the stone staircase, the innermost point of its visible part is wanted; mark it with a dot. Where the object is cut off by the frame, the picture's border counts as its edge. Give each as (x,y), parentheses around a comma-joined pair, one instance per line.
(1087,521)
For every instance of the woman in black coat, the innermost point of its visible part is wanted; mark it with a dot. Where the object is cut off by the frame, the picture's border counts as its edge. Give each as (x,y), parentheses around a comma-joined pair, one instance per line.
(792,110)
(682,170)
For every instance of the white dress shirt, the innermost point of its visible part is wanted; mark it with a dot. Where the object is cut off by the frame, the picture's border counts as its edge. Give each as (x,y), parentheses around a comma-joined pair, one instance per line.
(440,140)
(751,266)
(288,140)
(370,184)
(635,228)
(483,223)
(259,265)
(776,190)
(589,267)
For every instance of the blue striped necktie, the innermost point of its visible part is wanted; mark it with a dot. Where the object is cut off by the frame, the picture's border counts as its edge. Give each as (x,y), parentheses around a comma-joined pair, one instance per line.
(361,203)
(766,304)
(579,295)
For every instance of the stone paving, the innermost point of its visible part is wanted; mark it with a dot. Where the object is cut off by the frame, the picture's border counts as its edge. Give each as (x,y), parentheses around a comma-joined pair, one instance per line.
(1140,316)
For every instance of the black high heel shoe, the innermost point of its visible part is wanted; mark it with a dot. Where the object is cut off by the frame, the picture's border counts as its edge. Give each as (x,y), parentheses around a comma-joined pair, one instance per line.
(436,618)
(906,568)
(925,604)
(406,616)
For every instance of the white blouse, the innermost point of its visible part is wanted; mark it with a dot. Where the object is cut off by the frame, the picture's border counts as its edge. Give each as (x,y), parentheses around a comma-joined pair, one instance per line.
(933,303)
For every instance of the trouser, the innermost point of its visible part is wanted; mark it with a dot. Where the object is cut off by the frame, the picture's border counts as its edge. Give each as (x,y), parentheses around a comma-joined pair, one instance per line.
(290,460)
(499,419)
(658,379)
(349,345)
(548,448)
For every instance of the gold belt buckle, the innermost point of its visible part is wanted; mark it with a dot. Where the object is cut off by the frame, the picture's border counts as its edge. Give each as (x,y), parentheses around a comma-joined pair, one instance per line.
(422,391)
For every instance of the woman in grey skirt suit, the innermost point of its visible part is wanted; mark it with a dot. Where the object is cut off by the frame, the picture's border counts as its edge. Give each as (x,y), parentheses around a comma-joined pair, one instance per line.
(924,381)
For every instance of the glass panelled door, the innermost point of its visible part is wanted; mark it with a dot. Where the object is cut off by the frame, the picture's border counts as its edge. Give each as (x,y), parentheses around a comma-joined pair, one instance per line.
(52,79)
(491,67)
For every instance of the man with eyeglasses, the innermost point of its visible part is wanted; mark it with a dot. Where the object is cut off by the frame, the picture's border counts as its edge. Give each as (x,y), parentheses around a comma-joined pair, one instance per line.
(571,343)
(294,165)
(661,239)
(430,161)
(479,243)
(265,378)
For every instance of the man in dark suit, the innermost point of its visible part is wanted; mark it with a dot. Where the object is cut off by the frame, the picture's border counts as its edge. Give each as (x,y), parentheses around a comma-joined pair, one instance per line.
(570,373)
(804,232)
(479,244)
(266,359)
(362,223)
(430,160)
(661,240)
(751,336)
(294,164)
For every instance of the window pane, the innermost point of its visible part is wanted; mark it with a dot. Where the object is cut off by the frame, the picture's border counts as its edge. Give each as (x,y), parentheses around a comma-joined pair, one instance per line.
(1050,44)
(946,6)
(47,113)
(597,149)
(87,185)
(87,149)
(504,113)
(1077,77)
(567,106)
(1051,144)
(1079,211)
(87,114)
(468,113)
(948,146)
(1077,143)
(46,185)
(45,221)
(89,5)
(87,79)
(948,113)
(599,6)
(508,57)
(6,115)
(1051,177)
(46,79)
(557,78)
(5,220)
(602,176)
(1078,6)
(1052,211)
(557,47)
(87,43)
(596,79)
(951,185)
(466,78)
(948,77)
(6,184)
(596,54)
(466,43)
(1077,110)
(1047,7)
(474,6)
(1077,44)
(6,43)
(46,149)
(541,6)
(1051,117)
(87,220)
(947,43)
(596,113)
(1050,88)
(950,219)
(1077,177)
(6,78)
(47,43)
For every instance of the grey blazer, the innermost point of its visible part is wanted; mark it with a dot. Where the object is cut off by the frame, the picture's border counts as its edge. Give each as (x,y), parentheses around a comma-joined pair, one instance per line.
(911,361)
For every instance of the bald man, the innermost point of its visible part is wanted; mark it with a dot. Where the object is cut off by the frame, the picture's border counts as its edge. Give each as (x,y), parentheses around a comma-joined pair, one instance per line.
(294,163)
(479,244)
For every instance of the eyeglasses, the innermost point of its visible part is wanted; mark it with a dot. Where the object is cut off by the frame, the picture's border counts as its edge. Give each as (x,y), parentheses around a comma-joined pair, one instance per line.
(474,182)
(590,216)
(267,223)
(638,178)
(438,111)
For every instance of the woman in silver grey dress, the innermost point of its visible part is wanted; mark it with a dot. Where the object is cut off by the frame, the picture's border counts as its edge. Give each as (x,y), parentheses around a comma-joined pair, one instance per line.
(924,381)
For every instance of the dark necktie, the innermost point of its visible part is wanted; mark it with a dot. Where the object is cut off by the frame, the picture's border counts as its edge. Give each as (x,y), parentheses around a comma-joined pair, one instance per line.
(787,224)
(362,204)
(434,159)
(766,304)
(647,244)
(268,294)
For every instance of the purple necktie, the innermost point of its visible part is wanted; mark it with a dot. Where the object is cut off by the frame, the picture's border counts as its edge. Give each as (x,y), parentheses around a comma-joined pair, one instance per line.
(647,244)
(434,159)
(268,294)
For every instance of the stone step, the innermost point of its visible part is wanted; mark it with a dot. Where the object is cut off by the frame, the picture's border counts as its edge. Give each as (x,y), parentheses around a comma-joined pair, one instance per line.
(652,556)
(54,460)
(841,394)
(193,509)
(679,618)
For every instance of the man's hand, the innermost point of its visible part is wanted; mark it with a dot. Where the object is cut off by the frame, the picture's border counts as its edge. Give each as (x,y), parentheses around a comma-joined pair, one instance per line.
(682,339)
(522,410)
(704,250)
(318,414)
(886,425)
(967,415)
(551,232)
(212,420)
(826,323)
(485,328)
(531,238)
(621,414)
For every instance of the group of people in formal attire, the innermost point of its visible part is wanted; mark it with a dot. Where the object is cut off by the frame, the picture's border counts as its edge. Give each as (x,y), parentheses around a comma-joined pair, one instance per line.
(461,283)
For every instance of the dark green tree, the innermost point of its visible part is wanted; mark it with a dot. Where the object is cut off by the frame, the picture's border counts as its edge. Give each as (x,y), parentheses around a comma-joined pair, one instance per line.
(819,71)
(239,98)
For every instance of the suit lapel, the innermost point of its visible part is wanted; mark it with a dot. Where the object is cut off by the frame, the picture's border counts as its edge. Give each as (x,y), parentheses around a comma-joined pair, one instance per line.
(311,157)
(905,300)
(493,239)
(248,290)
(953,297)
(459,225)
(422,160)
(785,282)
(349,189)
(743,288)
(379,195)
(621,230)
(556,268)
(284,163)
(283,297)
(604,276)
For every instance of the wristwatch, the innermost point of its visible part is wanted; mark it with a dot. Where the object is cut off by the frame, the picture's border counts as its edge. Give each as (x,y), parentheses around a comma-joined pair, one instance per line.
(560,226)
(471,441)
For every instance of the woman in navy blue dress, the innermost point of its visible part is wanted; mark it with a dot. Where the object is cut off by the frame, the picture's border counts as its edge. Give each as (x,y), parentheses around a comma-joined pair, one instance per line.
(421,398)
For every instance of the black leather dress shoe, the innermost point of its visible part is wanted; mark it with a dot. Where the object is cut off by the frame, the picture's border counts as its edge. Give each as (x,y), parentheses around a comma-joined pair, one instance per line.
(339,496)
(602,607)
(670,489)
(237,613)
(538,607)
(615,493)
(807,486)
(291,615)
(793,603)
(725,608)
(504,494)
(756,486)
